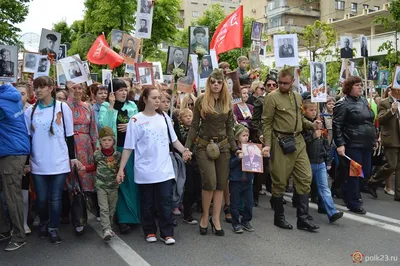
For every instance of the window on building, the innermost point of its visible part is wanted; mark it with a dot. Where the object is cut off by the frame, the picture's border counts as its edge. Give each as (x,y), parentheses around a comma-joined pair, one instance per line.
(195,14)
(194,3)
(376,8)
(339,5)
(365,6)
(353,7)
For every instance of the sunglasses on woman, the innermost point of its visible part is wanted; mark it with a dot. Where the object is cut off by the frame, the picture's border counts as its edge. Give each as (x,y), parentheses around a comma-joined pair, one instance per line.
(213,81)
(271,85)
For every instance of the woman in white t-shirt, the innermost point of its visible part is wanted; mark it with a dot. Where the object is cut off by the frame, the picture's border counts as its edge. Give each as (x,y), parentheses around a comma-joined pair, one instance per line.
(147,134)
(50,126)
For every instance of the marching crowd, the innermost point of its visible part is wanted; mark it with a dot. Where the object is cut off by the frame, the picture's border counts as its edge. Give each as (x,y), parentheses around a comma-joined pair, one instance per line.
(143,162)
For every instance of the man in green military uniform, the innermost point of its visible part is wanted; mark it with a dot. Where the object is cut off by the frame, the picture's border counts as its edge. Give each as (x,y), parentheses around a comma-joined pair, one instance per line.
(282,123)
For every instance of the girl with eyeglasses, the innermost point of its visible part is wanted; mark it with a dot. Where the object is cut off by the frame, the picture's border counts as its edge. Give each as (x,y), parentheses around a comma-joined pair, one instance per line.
(213,124)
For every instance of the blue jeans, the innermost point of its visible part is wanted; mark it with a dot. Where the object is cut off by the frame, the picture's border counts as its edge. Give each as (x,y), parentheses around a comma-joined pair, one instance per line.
(48,194)
(351,185)
(320,177)
(157,199)
(241,191)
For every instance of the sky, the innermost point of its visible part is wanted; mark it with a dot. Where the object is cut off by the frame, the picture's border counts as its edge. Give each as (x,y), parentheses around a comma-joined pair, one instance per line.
(56,10)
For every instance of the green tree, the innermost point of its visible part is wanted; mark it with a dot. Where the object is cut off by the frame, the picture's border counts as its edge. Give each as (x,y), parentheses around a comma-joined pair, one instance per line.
(318,38)
(12,13)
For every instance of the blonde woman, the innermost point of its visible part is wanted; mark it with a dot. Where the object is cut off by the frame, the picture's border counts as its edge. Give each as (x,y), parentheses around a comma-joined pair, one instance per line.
(212,125)
(257,89)
(188,101)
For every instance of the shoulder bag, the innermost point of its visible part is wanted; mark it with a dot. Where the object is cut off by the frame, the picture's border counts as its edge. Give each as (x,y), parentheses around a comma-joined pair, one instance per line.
(288,143)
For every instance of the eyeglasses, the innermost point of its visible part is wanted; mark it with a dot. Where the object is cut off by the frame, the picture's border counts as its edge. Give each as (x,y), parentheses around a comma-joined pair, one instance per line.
(284,83)
(213,81)
(262,88)
(271,85)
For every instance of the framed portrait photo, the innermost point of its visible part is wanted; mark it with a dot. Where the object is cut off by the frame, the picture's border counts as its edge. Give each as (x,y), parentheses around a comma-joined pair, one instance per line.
(61,78)
(42,66)
(383,79)
(49,43)
(363,46)
(144,73)
(130,48)
(143,27)
(145,7)
(62,51)
(396,78)
(74,69)
(232,79)
(254,59)
(346,71)
(130,69)
(157,70)
(256,31)
(373,70)
(286,50)
(30,60)
(346,47)
(318,82)
(252,160)
(177,58)
(199,37)
(116,38)
(8,63)
(106,77)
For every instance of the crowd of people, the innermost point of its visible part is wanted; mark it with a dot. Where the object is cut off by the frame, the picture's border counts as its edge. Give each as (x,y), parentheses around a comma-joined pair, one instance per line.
(144,162)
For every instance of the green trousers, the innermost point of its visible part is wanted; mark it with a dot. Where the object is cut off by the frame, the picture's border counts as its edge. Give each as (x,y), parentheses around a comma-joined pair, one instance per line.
(107,199)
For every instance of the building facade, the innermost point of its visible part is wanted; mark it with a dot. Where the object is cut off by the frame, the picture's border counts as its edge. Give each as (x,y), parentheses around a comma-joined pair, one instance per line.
(193,9)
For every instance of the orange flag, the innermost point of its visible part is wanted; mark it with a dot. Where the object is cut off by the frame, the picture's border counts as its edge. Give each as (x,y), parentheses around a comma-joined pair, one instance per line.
(356,169)
(101,54)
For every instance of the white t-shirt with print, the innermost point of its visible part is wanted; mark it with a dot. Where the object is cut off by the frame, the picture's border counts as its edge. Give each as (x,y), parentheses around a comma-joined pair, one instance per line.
(49,154)
(148,136)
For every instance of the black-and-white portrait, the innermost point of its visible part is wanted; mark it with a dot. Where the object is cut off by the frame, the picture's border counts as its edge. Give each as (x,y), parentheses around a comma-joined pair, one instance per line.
(116,38)
(106,77)
(62,51)
(373,70)
(364,46)
(49,43)
(94,76)
(86,69)
(318,82)
(74,69)
(346,47)
(129,68)
(206,67)
(61,78)
(396,80)
(256,31)
(383,78)
(42,66)
(8,63)
(144,73)
(129,48)
(157,70)
(143,27)
(177,58)
(199,38)
(286,50)
(254,59)
(145,6)
(30,60)
(347,71)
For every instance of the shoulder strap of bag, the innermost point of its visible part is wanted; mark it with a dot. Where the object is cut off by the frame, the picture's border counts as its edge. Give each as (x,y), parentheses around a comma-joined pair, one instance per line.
(296,108)
(62,116)
(171,148)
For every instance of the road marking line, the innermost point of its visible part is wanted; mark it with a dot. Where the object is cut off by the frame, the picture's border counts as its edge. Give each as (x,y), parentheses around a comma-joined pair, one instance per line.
(118,245)
(359,218)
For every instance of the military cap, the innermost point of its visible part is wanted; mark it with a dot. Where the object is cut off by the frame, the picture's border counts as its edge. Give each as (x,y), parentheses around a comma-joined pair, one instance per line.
(52,37)
(106,132)
(199,30)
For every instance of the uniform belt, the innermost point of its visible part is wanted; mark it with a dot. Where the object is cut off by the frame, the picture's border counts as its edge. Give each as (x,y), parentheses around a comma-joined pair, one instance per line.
(295,134)
(215,140)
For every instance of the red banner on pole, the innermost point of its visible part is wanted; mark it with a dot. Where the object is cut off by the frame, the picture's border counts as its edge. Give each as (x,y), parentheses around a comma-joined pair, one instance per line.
(101,54)
(229,34)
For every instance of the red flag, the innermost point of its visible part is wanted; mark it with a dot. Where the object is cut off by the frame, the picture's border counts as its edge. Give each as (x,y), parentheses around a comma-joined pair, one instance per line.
(101,54)
(355,169)
(229,34)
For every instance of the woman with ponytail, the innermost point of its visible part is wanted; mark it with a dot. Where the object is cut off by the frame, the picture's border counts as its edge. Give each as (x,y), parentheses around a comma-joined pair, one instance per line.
(50,125)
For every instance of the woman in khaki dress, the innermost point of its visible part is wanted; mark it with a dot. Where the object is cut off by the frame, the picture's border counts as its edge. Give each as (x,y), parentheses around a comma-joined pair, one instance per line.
(212,132)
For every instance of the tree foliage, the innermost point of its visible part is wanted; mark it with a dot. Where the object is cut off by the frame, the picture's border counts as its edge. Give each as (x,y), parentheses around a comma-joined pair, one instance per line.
(12,12)
(63,28)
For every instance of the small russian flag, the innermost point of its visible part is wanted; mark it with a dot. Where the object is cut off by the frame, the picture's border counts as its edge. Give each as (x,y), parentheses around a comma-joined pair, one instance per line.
(355,168)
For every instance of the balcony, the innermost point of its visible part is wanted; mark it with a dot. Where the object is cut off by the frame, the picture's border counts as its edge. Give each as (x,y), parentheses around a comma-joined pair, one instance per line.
(285,28)
(297,11)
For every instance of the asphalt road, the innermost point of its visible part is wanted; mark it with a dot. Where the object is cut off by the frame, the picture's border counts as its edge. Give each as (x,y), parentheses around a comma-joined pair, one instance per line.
(376,233)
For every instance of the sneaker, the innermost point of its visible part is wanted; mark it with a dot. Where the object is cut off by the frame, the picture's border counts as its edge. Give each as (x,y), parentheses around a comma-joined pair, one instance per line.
(112,233)
(43,231)
(28,231)
(107,235)
(238,229)
(246,226)
(176,211)
(36,221)
(151,238)
(335,217)
(5,236)
(190,220)
(14,245)
(98,219)
(79,231)
(359,210)
(54,237)
(169,240)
